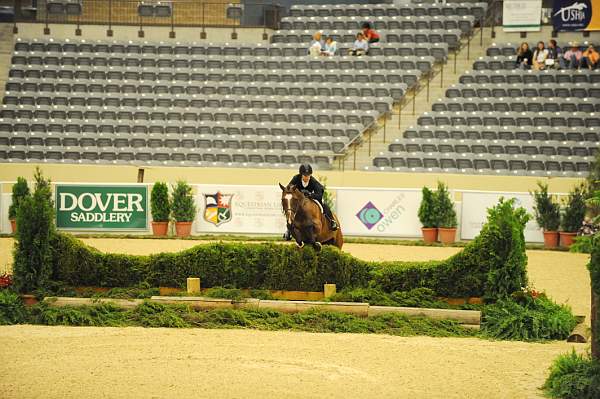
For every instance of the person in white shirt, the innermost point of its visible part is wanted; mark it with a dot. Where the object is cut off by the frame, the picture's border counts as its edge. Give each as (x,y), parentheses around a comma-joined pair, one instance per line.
(330,47)
(316,45)
(539,56)
(361,46)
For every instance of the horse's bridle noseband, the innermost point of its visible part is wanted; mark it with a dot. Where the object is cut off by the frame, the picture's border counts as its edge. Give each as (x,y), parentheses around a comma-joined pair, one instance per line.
(295,211)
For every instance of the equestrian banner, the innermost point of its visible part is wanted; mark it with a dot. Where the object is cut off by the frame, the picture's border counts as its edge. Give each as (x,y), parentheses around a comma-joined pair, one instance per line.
(522,15)
(239,209)
(379,212)
(573,15)
(101,207)
(474,213)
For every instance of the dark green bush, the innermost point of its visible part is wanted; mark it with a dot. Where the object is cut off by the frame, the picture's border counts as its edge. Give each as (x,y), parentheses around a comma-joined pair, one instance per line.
(526,318)
(427,209)
(573,376)
(418,297)
(12,310)
(492,265)
(582,244)
(184,209)
(33,251)
(159,202)
(574,211)
(446,215)
(547,210)
(20,191)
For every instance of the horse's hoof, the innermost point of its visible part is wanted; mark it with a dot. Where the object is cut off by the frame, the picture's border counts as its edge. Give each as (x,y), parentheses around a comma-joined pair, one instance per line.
(318,246)
(301,245)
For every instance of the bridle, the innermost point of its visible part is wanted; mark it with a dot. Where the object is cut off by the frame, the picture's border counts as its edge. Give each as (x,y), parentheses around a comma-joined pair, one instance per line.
(289,210)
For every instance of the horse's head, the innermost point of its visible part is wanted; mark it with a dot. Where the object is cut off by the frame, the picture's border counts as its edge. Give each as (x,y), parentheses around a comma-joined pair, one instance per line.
(291,199)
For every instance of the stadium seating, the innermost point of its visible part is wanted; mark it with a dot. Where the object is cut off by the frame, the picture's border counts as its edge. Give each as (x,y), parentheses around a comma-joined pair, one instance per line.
(501,120)
(222,104)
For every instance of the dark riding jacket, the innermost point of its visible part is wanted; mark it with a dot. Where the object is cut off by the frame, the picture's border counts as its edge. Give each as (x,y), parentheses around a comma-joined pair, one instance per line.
(315,188)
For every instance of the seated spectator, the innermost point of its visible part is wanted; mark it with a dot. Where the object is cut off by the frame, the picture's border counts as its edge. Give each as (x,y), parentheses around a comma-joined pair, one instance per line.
(524,56)
(590,57)
(330,47)
(369,33)
(360,46)
(573,56)
(316,45)
(539,57)
(555,56)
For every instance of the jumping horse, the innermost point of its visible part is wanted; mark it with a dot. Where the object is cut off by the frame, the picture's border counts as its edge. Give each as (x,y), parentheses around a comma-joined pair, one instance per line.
(306,220)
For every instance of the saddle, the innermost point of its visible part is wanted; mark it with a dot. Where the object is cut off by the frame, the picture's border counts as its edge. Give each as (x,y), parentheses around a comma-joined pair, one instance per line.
(319,204)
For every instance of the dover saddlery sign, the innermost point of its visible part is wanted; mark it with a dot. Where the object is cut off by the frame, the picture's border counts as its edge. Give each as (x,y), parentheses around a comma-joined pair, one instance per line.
(100,207)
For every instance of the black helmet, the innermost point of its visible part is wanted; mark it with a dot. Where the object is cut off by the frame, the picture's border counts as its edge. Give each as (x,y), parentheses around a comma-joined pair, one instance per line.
(305,169)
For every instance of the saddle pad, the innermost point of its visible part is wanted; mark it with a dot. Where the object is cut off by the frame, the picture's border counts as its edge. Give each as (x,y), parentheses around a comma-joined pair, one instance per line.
(320,206)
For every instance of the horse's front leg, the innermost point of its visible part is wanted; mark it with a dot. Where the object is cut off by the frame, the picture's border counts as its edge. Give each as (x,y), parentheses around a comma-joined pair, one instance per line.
(297,234)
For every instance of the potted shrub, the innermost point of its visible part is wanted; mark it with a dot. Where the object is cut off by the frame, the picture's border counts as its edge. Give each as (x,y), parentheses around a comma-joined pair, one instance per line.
(160,208)
(573,215)
(184,209)
(446,215)
(547,215)
(427,216)
(20,190)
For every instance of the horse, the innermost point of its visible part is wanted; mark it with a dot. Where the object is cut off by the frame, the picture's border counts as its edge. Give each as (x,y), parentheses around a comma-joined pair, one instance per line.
(306,221)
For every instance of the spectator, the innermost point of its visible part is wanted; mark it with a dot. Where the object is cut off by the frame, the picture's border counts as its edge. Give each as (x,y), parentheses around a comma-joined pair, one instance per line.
(330,47)
(590,57)
(369,33)
(555,57)
(573,56)
(524,56)
(539,56)
(360,46)
(316,45)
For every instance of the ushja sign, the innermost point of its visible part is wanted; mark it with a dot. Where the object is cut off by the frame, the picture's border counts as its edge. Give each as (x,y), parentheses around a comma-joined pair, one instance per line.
(100,207)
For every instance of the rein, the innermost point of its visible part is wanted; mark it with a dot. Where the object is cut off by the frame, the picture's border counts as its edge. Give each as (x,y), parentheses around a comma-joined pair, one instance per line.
(295,211)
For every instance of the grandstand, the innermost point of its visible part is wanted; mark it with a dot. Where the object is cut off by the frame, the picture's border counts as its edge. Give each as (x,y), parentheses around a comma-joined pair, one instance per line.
(216,104)
(120,101)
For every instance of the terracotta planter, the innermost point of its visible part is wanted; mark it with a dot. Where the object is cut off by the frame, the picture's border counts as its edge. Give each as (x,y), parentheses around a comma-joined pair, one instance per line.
(566,239)
(429,234)
(183,229)
(160,228)
(29,300)
(550,239)
(13,225)
(447,235)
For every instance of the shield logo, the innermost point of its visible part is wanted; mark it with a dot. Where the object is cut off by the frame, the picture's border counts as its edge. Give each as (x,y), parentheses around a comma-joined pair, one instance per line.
(217,208)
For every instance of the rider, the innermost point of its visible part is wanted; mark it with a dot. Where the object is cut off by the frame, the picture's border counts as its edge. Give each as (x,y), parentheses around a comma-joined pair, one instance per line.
(311,188)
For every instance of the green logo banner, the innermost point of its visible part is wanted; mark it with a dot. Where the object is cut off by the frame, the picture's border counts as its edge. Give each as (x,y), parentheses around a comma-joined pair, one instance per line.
(101,207)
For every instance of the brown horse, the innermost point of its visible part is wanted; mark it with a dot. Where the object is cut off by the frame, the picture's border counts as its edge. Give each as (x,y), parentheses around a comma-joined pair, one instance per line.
(306,221)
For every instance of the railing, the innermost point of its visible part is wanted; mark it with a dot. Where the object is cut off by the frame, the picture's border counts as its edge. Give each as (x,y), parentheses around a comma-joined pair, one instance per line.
(184,13)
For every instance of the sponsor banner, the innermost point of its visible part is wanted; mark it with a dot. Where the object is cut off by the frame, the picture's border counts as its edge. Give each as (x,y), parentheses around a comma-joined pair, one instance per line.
(101,207)
(474,213)
(239,209)
(379,213)
(522,15)
(573,15)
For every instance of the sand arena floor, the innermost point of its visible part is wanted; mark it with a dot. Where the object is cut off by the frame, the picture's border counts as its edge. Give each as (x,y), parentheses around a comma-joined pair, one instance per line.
(74,362)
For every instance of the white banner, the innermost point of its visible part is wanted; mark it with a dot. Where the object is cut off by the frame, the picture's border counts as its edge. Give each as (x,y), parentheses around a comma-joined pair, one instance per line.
(379,212)
(522,15)
(5,201)
(239,209)
(474,213)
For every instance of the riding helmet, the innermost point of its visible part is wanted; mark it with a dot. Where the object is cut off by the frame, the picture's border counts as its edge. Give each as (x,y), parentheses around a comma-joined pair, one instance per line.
(305,169)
